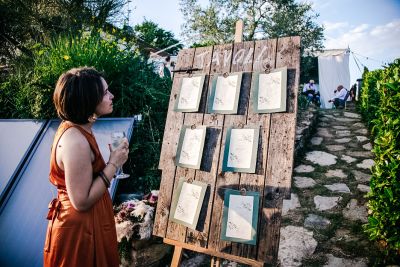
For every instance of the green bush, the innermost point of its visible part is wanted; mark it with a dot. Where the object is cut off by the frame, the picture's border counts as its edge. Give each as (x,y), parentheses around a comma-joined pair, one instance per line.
(381,104)
(27,93)
(369,103)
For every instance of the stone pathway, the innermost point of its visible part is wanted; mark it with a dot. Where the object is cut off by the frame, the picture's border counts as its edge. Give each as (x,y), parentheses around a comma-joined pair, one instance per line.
(322,222)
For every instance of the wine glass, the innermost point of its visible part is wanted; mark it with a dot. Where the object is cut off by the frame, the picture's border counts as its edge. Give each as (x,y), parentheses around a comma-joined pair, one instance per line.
(116,140)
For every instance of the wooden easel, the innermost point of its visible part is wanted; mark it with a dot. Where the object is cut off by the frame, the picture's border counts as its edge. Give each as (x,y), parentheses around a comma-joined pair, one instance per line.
(215,255)
(215,261)
(275,158)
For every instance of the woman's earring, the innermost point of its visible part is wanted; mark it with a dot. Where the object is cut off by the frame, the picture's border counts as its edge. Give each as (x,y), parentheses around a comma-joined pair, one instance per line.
(92,118)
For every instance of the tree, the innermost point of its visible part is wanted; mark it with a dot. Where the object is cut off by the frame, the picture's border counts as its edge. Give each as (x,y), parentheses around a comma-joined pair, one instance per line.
(27,22)
(149,34)
(215,23)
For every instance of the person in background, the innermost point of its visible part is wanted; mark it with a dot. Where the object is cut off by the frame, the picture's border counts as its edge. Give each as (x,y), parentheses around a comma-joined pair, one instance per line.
(339,97)
(165,68)
(81,229)
(353,90)
(311,92)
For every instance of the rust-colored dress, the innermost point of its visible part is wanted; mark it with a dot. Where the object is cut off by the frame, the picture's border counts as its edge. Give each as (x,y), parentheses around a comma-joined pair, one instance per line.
(75,238)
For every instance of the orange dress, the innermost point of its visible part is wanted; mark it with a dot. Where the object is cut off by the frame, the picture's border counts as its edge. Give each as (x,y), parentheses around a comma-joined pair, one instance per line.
(79,238)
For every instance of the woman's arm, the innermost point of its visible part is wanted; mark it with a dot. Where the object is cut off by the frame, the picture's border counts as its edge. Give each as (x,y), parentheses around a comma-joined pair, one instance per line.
(76,158)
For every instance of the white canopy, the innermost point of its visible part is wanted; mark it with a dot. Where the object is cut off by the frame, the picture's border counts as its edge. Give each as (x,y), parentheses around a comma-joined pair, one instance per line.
(333,70)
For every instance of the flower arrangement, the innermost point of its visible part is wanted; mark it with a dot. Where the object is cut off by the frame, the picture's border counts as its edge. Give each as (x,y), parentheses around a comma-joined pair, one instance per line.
(134,221)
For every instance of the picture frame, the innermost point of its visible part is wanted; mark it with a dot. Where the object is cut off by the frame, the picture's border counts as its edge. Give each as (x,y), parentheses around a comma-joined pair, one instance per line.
(269,91)
(187,202)
(190,146)
(240,152)
(240,216)
(224,93)
(190,91)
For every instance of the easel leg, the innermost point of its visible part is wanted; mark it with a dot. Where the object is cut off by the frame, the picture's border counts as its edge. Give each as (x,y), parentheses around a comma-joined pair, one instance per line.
(176,258)
(215,262)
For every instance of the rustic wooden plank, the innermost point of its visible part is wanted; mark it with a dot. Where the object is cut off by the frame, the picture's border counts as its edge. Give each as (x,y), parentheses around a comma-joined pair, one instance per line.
(201,56)
(170,141)
(175,230)
(288,55)
(264,54)
(230,179)
(176,259)
(214,253)
(207,172)
(280,153)
(239,31)
(220,63)
(174,119)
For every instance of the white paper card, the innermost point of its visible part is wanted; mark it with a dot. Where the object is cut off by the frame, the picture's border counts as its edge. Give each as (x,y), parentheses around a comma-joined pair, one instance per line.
(187,202)
(240,217)
(240,148)
(269,91)
(225,93)
(188,97)
(191,146)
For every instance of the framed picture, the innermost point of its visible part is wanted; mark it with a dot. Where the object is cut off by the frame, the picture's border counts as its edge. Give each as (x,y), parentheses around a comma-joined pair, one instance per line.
(186,203)
(240,216)
(240,153)
(190,146)
(269,91)
(224,93)
(189,96)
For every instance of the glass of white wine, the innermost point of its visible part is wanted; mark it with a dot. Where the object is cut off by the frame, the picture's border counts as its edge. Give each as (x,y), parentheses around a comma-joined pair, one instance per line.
(116,140)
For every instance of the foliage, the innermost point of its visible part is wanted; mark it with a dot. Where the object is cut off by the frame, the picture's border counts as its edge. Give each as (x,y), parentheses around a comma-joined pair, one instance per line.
(370,98)
(380,104)
(27,93)
(215,24)
(150,34)
(25,23)
(302,101)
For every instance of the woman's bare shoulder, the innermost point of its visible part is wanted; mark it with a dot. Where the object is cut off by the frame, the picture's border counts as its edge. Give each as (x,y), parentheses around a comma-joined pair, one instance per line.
(74,139)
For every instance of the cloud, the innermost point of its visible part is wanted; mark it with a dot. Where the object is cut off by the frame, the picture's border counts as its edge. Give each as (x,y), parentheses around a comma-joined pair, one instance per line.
(330,26)
(319,5)
(372,45)
(361,28)
(381,41)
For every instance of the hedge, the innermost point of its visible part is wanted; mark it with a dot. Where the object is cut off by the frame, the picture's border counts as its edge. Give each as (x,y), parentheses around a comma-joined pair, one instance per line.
(380,106)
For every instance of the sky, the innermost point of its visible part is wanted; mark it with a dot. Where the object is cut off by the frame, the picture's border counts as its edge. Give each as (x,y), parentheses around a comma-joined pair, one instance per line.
(370,28)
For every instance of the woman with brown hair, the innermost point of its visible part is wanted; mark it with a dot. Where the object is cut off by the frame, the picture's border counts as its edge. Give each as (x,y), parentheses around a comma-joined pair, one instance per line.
(81,230)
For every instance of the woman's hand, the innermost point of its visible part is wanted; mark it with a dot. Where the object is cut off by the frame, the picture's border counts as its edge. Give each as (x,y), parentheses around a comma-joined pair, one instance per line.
(119,155)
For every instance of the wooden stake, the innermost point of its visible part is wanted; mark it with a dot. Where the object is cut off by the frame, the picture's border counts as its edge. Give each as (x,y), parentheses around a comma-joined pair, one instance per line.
(215,262)
(176,258)
(239,31)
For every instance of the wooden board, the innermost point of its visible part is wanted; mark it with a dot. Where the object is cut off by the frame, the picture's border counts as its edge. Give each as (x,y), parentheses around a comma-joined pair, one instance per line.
(280,153)
(275,150)
(172,129)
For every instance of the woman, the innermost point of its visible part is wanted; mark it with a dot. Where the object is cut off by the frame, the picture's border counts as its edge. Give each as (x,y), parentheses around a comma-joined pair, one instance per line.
(81,230)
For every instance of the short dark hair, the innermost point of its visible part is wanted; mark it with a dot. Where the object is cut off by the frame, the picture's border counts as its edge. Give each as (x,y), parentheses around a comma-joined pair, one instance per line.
(77,94)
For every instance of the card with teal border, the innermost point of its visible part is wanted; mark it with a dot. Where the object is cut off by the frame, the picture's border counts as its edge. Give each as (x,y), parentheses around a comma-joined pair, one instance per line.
(240,216)
(190,147)
(240,152)
(269,91)
(190,92)
(187,202)
(224,93)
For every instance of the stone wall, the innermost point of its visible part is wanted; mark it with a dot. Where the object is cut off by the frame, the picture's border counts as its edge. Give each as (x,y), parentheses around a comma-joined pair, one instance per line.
(306,122)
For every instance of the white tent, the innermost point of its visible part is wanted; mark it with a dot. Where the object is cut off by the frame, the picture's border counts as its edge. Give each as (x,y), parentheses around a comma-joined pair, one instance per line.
(333,70)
